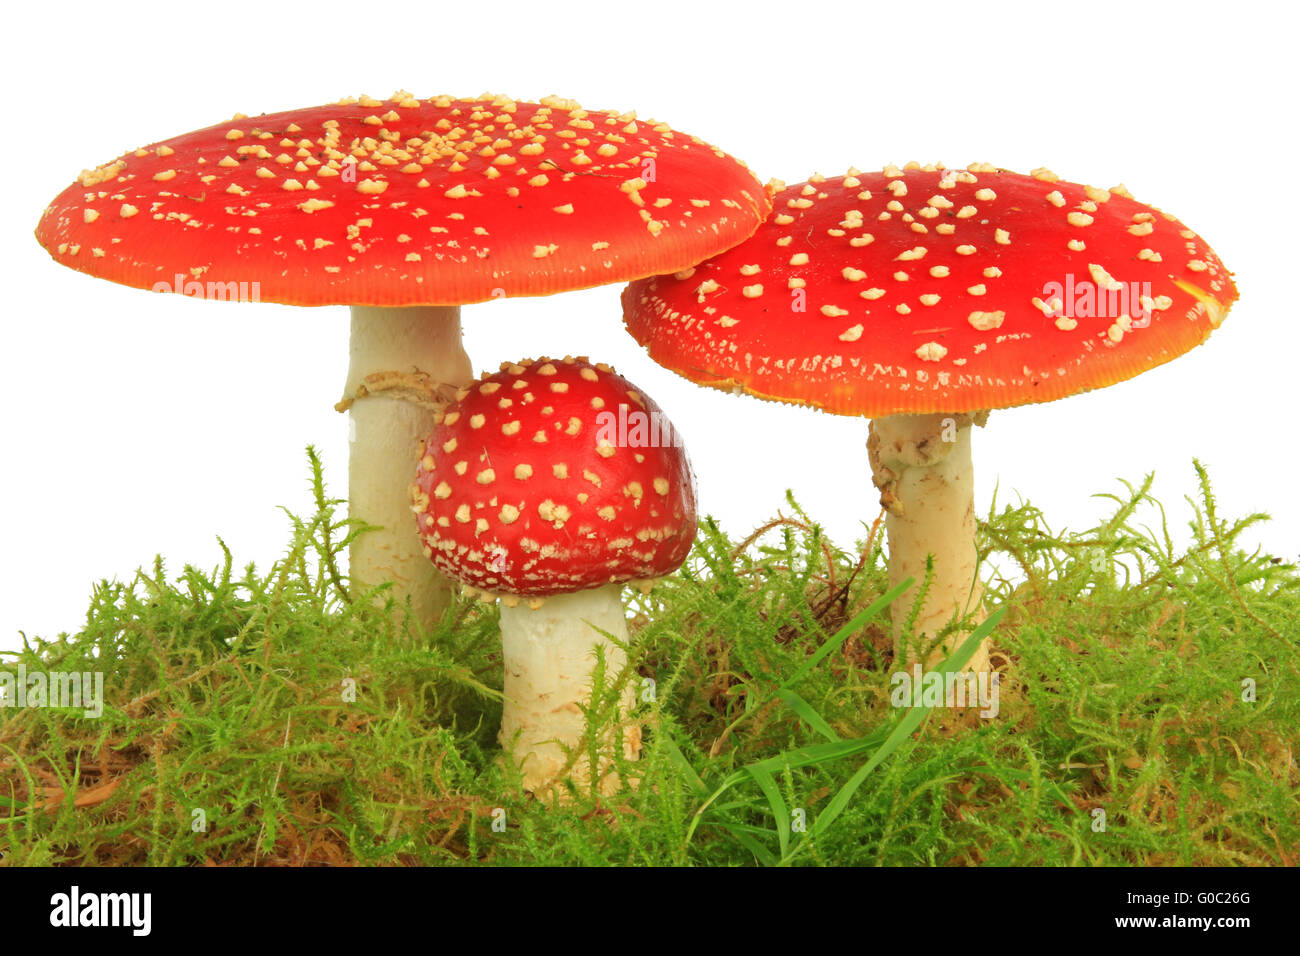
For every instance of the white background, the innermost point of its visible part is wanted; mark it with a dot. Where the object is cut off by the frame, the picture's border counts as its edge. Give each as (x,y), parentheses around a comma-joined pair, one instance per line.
(141,423)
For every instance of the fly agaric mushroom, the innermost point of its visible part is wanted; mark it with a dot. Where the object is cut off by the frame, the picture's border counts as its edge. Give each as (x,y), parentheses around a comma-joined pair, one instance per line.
(404,210)
(923,297)
(550,484)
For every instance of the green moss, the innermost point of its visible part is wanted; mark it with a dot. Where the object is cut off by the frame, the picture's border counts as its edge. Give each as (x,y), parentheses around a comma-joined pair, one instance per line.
(769,734)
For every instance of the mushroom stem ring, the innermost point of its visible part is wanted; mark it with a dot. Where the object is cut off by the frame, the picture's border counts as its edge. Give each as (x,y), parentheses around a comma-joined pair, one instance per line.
(414,386)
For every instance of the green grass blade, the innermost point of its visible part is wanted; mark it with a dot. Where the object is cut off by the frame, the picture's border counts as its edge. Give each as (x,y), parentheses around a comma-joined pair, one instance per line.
(761,853)
(779,810)
(843,634)
(910,722)
(810,716)
(678,760)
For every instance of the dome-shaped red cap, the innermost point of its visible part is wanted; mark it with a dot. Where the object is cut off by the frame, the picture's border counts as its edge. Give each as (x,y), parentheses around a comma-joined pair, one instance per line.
(554,476)
(406,202)
(934,290)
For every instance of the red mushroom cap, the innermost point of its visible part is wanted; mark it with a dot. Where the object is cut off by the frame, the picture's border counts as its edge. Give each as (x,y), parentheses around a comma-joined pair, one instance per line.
(554,476)
(933,290)
(406,202)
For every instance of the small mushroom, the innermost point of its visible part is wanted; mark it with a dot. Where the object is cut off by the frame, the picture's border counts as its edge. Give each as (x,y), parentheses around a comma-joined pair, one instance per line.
(403,210)
(550,484)
(923,297)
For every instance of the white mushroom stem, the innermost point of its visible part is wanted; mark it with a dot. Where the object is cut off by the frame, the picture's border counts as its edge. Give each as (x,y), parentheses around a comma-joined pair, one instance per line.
(385,432)
(549,655)
(922,466)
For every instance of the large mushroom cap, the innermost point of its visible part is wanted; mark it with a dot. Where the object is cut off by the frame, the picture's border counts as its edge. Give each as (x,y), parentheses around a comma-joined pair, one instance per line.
(407,202)
(934,290)
(554,476)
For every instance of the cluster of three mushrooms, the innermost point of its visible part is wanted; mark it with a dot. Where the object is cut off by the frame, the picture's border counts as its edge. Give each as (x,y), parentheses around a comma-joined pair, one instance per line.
(919,297)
